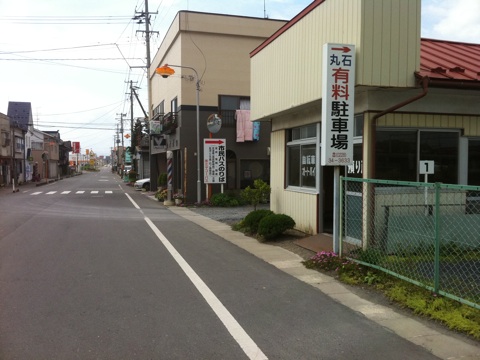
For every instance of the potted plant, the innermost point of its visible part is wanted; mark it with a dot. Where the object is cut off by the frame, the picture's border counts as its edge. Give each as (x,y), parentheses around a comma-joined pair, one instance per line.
(178,197)
(161,195)
(162,181)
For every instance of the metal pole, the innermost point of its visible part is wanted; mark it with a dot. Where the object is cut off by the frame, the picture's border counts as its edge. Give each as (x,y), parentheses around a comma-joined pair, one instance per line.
(199,183)
(336,209)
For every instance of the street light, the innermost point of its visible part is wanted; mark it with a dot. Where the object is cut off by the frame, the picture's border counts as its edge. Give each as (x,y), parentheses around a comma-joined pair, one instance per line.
(165,71)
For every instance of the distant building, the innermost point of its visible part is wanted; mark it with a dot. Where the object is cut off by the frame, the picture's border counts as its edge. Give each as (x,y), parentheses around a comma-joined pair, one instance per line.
(217,47)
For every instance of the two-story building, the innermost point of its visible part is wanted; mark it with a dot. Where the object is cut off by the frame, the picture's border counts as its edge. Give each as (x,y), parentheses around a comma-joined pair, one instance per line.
(210,51)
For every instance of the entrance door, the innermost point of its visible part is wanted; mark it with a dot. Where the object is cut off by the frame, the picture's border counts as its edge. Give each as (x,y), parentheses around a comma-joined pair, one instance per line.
(231,170)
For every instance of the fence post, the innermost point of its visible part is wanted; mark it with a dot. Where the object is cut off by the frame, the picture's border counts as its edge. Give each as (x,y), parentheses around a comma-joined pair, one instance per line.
(436,276)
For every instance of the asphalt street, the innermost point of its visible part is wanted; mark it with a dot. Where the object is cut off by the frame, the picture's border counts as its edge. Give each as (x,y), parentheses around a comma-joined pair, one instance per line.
(92,269)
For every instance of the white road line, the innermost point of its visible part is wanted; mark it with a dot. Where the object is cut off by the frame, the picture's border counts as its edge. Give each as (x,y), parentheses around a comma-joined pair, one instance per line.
(80,192)
(108,192)
(36,193)
(234,328)
(93,192)
(51,192)
(66,192)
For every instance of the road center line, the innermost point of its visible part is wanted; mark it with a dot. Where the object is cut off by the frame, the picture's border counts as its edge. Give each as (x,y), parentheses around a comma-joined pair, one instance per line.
(238,333)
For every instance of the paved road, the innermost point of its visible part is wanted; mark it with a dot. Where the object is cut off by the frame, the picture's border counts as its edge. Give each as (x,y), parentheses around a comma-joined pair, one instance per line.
(91,269)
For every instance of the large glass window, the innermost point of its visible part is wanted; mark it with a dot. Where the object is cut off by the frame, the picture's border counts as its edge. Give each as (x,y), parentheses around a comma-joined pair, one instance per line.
(302,157)
(399,152)
(474,162)
(396,155)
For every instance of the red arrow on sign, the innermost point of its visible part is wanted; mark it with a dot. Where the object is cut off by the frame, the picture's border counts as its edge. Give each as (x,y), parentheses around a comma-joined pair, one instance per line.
(213,142)
(344,49)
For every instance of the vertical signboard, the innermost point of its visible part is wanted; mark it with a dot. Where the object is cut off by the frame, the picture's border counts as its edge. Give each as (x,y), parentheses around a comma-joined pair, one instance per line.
(215,165)
(338,94)
(76,147)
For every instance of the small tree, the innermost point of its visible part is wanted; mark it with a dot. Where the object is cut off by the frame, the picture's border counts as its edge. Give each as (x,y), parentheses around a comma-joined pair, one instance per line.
(258,194)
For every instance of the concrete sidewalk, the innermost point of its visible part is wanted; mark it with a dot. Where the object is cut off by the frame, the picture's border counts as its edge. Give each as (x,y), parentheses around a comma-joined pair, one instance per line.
(440,342)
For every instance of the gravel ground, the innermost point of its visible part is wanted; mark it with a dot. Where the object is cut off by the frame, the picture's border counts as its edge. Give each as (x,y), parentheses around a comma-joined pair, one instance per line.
(234,215)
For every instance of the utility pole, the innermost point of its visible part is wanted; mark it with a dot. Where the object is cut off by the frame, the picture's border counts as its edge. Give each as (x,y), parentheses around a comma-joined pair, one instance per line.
(153,165)
(121,134)
(134,155)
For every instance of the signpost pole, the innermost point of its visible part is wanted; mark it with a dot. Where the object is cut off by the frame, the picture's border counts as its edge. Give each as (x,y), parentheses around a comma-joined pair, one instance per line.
(336,209)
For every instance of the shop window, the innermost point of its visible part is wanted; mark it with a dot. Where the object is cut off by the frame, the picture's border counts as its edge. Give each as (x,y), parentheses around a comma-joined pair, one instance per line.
(474,162)
(302,157)
(399,152)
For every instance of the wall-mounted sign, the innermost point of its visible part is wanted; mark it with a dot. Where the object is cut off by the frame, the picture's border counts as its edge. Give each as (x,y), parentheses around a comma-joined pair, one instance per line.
(338,95)
(215,161)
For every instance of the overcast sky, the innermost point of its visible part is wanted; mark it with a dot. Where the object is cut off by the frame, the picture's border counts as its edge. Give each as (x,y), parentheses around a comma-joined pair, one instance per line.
(84,97)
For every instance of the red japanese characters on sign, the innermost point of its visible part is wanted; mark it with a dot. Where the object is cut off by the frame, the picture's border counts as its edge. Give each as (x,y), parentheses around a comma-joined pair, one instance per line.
(338,94)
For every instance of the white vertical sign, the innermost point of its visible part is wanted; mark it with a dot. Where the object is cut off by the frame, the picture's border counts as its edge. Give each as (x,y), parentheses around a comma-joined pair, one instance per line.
(338,96)
(215,162)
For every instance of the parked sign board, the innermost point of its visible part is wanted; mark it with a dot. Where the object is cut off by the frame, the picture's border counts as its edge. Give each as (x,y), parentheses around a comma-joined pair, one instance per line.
(338,92)
(215,165)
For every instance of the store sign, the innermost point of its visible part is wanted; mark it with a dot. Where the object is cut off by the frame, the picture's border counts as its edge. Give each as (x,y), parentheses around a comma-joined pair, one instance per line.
(215,162)
(338,95)
(76,147)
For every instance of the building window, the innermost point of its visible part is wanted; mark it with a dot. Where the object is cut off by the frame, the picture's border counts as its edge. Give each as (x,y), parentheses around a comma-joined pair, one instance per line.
(474,162)
(398,154)
(19,144)
(174,105)
(228,105)
(159,111)
(302,157)
(251,170)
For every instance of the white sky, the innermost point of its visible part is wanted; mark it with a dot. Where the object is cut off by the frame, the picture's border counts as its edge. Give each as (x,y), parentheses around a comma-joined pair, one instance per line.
(84,97)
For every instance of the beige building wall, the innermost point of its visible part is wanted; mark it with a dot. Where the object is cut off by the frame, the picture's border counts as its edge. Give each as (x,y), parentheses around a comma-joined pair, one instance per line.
(288,72)
(300,206)
(204,41)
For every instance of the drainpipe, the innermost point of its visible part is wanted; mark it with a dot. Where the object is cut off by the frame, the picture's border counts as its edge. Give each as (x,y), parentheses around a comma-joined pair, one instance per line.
(373,128)
(370,236)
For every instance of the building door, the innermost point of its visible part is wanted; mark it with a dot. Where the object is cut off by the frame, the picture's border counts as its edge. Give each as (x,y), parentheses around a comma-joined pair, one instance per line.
(231,170)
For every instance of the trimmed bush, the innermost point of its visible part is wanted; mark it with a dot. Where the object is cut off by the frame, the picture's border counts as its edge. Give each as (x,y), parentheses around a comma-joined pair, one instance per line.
(224,200)
(272,226)
(253,218)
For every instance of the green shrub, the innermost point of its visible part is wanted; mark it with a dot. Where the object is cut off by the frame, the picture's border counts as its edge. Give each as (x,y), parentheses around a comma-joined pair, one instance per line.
(274,225)
(223,200)
(259,194)
(162,180)
(132,176)
(253,218)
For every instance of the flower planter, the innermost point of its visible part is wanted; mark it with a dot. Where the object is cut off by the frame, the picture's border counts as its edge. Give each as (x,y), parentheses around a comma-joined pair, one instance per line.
(178,201)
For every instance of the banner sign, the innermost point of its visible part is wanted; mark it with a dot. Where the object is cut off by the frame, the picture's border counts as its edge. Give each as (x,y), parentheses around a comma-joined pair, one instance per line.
(215,164)
(76,147)
(338,95)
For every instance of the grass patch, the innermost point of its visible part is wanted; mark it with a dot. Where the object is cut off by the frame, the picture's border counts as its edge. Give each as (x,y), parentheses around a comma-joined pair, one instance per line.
(451,313)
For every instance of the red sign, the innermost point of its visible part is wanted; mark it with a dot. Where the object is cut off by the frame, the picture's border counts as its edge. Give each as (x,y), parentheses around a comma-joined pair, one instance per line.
(76,147)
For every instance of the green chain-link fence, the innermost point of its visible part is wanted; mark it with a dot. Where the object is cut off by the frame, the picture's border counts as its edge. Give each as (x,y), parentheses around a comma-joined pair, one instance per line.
(428,234)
